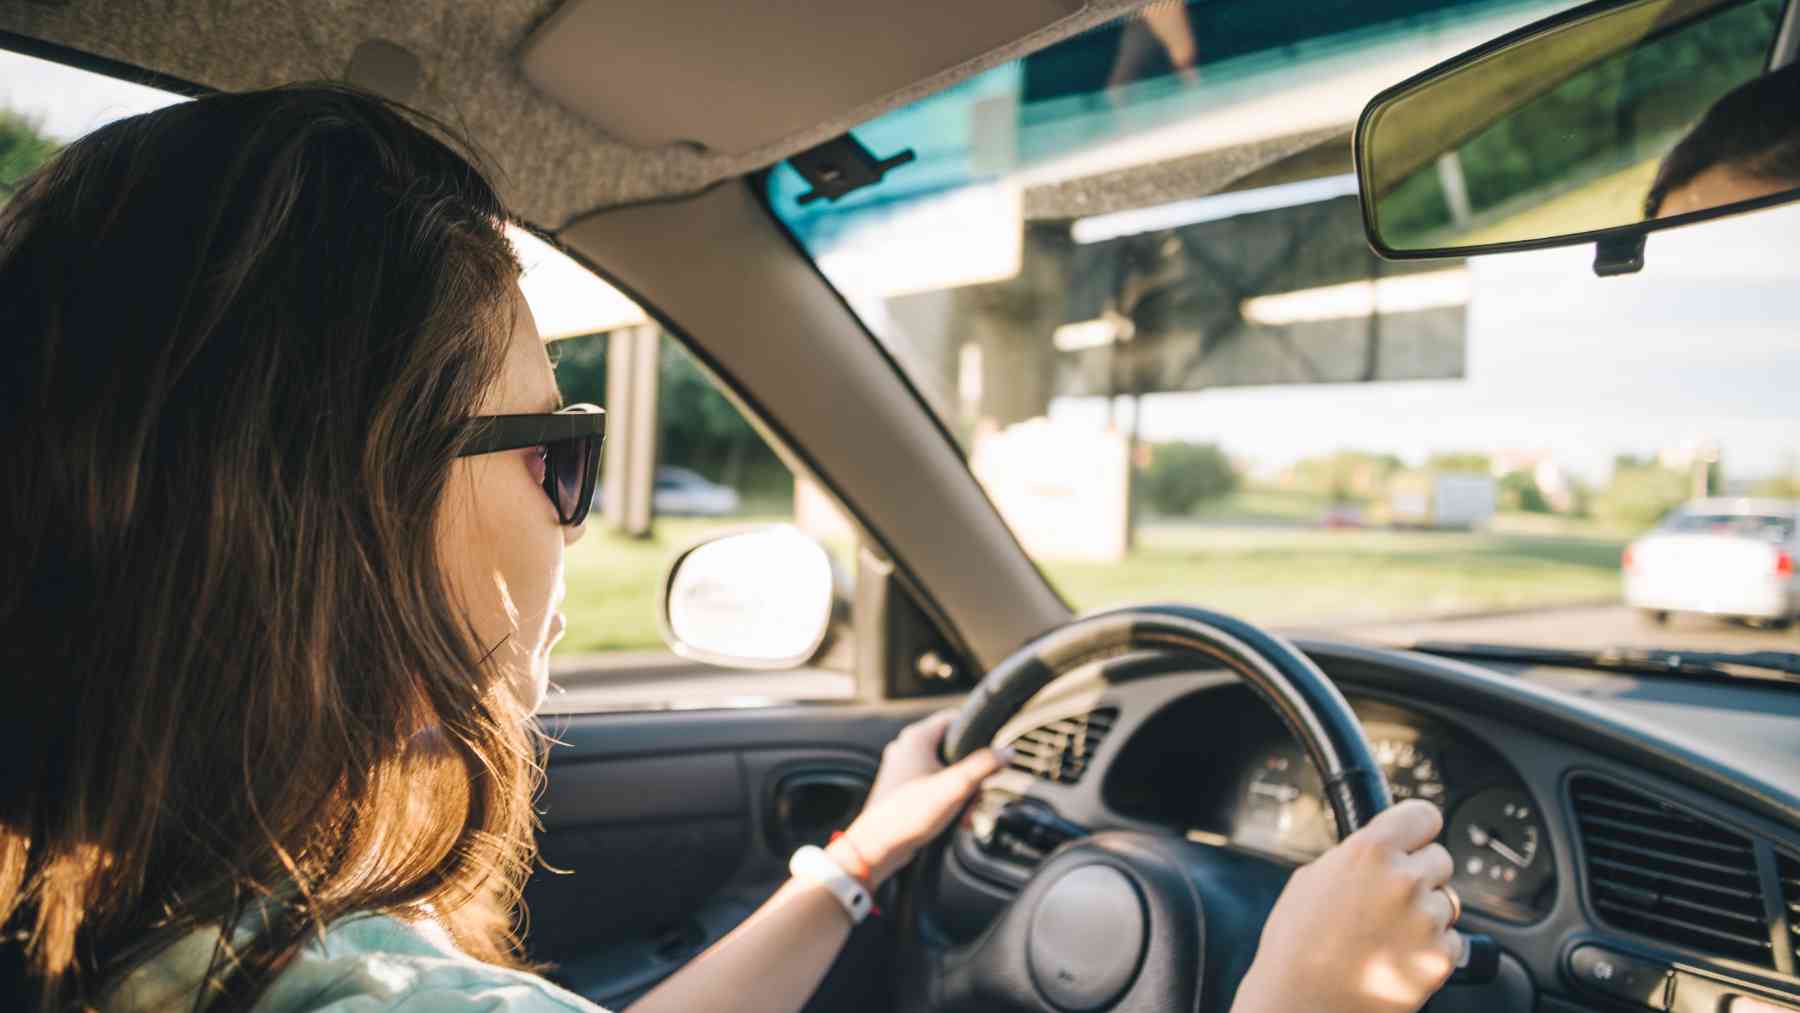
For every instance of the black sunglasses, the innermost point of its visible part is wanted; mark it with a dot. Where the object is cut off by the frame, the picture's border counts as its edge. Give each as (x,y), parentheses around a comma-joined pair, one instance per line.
(571,440)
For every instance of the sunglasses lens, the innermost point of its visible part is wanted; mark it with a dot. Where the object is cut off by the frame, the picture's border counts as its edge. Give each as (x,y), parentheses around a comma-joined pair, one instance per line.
(569,462)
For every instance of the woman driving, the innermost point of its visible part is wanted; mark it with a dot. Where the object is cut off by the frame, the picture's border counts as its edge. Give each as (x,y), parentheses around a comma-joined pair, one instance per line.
(286,490)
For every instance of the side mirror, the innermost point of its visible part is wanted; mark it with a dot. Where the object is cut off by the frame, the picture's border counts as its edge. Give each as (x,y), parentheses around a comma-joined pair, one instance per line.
(761,598)
(1600,124)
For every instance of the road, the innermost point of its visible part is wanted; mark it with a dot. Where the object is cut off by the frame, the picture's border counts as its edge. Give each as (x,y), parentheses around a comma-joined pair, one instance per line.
(1579,628)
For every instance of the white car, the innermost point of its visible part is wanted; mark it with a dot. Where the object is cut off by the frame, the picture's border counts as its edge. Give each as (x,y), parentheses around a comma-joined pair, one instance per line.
(680,492)
(1723,557)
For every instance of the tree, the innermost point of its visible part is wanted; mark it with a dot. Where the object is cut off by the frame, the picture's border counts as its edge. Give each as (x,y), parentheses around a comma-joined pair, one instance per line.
(1519,491)
(23,147)
(1639,496)
(697,426)
(1346,476)
(1458,464)
(1181,476)
(581,368)
(1780,488)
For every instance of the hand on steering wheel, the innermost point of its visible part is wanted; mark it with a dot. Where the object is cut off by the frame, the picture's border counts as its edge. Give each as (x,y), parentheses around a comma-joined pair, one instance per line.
(914,798)
(1366,928)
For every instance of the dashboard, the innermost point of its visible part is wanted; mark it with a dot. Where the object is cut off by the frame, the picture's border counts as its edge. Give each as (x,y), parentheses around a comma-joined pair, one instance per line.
(1629,842)
(1268,798)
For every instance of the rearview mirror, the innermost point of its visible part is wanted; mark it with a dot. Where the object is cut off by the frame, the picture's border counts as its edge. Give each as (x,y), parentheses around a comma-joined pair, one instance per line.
(1601,124)
(761,598)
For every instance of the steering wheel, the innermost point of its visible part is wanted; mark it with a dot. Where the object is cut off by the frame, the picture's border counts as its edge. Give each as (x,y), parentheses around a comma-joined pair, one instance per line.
(1122,920)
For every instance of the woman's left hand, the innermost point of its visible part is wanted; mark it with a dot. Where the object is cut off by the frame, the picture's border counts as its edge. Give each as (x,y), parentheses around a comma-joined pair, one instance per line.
(914,798)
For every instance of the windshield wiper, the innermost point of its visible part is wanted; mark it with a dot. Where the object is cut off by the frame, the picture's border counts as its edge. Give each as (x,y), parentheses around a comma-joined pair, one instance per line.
(1780,666)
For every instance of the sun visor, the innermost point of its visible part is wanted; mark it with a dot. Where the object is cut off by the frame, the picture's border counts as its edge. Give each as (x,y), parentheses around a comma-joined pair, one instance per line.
(733,77)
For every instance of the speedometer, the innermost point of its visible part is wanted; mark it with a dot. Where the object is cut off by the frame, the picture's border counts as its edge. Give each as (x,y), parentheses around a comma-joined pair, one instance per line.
(1281,804)
(1411,771)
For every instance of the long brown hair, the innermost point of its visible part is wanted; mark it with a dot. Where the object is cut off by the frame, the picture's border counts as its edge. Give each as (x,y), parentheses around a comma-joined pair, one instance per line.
(1754,129)
(243,336)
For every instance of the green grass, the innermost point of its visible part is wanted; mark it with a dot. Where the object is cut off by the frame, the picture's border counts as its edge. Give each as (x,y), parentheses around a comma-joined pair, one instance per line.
(1557,526)
(1260,505)
(1299,575)
(1270,574)
(615,583)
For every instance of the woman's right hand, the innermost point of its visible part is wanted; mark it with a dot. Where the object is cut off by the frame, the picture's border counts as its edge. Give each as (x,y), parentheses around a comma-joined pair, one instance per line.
(914,798)
(1365,929)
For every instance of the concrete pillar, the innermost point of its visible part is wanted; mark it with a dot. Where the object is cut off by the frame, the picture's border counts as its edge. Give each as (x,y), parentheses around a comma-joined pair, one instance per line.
(628,469)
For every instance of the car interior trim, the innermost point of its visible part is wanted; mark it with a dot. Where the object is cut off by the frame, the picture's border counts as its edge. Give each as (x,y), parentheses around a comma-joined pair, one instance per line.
(554,165)
(804,59)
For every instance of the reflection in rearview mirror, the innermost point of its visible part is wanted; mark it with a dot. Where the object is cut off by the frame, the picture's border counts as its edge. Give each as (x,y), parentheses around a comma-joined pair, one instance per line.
(1628,116)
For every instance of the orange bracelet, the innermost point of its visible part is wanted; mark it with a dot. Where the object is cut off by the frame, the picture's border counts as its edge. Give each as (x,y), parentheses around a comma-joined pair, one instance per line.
(865,873)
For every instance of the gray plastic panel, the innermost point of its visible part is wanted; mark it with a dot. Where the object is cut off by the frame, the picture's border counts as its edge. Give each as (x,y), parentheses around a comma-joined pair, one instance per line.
(733,77)
(648,790)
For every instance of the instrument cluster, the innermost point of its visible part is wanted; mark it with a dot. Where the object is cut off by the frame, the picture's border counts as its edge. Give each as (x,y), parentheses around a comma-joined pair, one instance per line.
(1494,831)
(1268,797)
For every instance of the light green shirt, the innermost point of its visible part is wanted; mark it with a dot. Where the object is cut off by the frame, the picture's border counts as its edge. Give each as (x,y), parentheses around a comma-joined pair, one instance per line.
(363,964)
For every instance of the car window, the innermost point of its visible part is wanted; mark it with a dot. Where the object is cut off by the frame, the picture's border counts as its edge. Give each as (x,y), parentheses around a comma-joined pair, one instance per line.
(1773,528)
(715,472)
(1129,274)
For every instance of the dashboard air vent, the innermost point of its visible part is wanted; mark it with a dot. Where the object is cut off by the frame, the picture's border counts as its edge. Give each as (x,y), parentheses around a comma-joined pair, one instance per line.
(1788,869)
(1060,751)
(1663,872)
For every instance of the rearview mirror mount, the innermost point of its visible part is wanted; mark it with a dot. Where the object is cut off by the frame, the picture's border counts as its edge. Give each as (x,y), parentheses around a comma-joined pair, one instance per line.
(1599,125)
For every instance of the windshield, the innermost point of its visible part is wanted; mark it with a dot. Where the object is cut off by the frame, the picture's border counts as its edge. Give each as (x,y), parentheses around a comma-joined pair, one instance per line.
(1129,275)
(1776,529)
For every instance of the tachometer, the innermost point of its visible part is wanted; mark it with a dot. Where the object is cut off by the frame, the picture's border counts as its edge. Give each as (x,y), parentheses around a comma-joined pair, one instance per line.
(1283,806)
(1498,841)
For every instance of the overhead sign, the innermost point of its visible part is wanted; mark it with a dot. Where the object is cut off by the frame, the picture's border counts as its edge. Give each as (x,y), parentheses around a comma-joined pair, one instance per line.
(1286,295)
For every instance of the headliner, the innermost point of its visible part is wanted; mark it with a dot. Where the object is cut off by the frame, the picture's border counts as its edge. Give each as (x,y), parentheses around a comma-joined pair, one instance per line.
(552,165)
